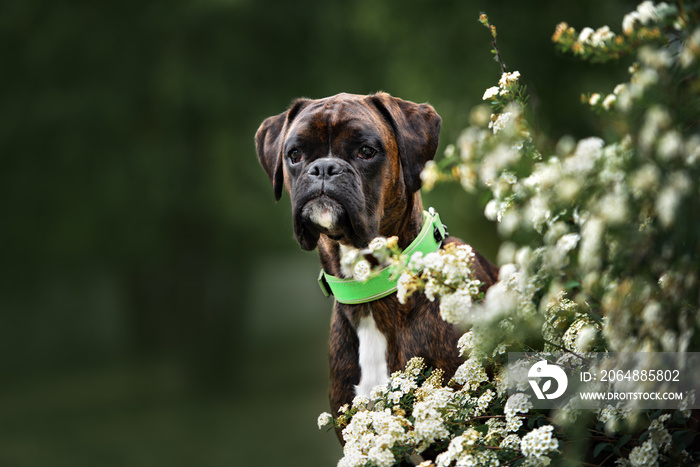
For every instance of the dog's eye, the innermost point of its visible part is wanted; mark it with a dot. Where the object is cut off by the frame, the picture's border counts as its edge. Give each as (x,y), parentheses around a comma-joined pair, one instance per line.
(367,152)
(294,155)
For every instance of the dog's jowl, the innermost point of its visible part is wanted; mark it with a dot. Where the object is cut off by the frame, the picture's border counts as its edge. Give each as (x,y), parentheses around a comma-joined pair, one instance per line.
(351,165)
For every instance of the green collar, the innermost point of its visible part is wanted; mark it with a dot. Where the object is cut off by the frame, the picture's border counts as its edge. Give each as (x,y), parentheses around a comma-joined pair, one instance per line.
(380,284)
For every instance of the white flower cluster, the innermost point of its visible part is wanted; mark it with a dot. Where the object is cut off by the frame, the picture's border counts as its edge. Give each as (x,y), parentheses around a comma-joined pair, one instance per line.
(377,427)
(539,442)
(500,121)
(507,87)
(460,452)
(446,274)
(504,85)
(517,403)
(613,417)
(645,25)
(466,343)
(377,423)
(429,416)
(645,455)
(408,414)
(324,419)
(579,336)
(596,38)
(645,13)
(369,437)
(471,374)
(651,451)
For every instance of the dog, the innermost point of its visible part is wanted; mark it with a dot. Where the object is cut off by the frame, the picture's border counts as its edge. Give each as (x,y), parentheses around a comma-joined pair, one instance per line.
(351,165)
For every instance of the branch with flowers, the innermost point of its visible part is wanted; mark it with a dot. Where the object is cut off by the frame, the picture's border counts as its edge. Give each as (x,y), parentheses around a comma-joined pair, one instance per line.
(600,253)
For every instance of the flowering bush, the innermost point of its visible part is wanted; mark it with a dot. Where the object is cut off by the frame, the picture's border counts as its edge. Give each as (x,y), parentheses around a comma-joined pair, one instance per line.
(601,253)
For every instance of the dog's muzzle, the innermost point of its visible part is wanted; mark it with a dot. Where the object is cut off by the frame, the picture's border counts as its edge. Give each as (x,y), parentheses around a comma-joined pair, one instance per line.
(329,201)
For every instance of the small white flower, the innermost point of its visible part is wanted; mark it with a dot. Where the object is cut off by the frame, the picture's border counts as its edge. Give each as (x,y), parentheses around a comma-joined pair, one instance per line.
(466,343)
(585,337)
(395,397)
(483,402)
(670,145)
(645,180)
(508,78)
(434,260)
(359,402)
(513,422)
(601,36)
(377,244)
(628,22)
(416,262)
(647,12)
(349,257)
(377,391)
(500,122)
(455,306)
(491,210)
(362,270)
(430,175)
(588,151)
(324,419)
(585,35)
(591,242)
(612,208)
(404,286)
(691,50)
(670,197)
(470,374)
(491,93)
(609,101)
(568,242)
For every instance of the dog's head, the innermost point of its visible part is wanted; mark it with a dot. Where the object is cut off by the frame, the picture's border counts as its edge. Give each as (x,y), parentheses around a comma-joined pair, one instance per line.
(346,161)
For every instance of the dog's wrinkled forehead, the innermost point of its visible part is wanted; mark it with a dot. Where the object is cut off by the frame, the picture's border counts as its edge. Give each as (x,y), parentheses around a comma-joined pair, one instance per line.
(343,117)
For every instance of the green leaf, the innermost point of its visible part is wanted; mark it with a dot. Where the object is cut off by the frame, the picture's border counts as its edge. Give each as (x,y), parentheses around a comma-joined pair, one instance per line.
(682,439)
(483,429)
(621,442)
(600,447)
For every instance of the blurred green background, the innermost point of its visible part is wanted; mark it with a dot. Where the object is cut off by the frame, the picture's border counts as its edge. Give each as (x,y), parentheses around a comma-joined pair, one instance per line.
(154,307)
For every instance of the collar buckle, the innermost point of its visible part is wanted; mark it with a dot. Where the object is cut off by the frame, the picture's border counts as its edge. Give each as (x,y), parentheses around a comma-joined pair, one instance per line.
(440,232)
(323,283)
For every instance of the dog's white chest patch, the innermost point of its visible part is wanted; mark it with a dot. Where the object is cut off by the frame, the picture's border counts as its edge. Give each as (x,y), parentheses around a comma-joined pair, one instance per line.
(373,365)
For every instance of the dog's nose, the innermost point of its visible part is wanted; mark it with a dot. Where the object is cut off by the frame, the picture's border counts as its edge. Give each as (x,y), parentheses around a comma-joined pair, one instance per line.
(324,169)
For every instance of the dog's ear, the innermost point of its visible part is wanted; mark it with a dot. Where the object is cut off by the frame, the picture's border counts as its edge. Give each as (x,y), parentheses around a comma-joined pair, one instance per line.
(268,143)
(417,131)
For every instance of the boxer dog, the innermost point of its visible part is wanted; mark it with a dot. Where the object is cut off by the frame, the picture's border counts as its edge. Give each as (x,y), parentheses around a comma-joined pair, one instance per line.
(351,165)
